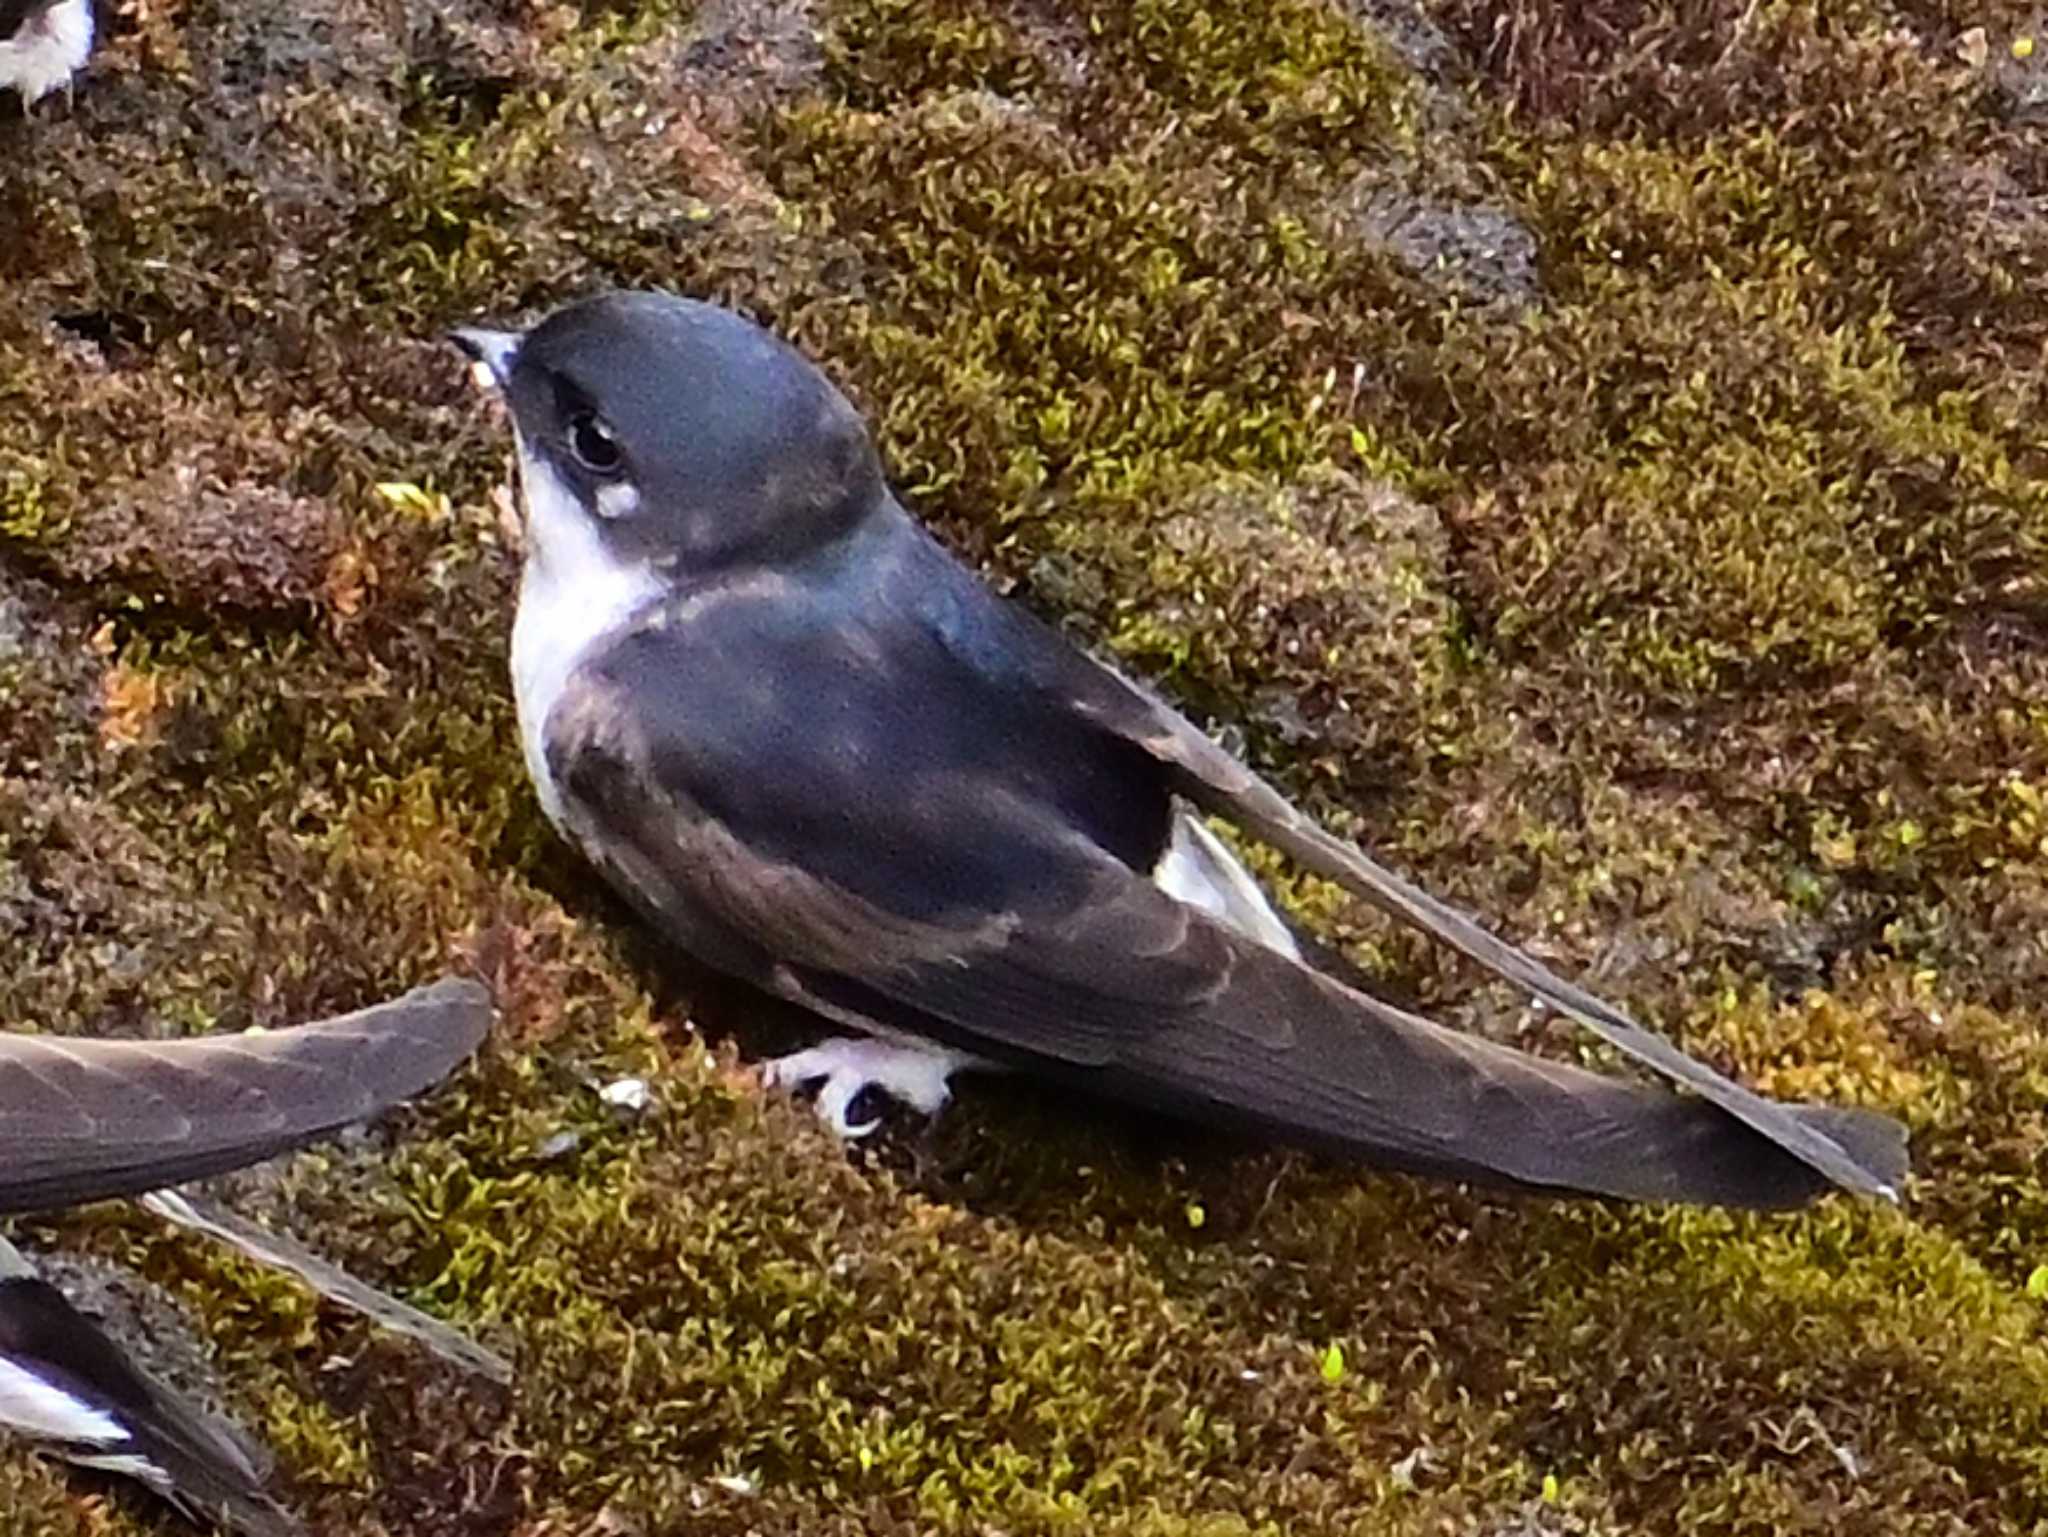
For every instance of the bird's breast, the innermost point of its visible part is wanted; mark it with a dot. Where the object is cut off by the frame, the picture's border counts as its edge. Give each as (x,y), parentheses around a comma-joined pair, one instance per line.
(573,593)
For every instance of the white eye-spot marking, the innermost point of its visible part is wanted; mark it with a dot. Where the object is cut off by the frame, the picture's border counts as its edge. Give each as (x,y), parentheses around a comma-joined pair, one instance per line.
(620,499)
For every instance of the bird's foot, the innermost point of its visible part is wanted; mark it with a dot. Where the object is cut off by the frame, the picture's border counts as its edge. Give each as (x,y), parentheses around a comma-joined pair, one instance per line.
(846,1066)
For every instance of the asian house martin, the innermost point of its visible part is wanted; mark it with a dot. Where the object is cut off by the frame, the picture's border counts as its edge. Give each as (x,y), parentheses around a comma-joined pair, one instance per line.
(818,754)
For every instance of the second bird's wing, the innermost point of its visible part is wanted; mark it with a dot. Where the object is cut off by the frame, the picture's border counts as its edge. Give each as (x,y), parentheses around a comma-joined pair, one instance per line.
(82,1119)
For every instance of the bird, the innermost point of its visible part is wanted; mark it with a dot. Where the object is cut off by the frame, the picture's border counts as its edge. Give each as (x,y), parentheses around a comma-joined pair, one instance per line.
(819,754)
(69,1389)
(43,43)
(85,1120)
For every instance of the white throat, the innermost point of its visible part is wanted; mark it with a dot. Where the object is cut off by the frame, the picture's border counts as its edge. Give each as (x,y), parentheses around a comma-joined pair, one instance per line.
(573,592)
(47,50)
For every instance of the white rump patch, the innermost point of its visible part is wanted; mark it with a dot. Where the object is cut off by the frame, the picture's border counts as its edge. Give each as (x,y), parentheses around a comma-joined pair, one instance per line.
(1198,870)
(33,1408)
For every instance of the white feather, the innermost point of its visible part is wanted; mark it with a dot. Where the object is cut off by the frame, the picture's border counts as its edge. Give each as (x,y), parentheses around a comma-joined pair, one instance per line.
(33,1408)
(47,50)
(1198,870)
(572,593)
(129,1465)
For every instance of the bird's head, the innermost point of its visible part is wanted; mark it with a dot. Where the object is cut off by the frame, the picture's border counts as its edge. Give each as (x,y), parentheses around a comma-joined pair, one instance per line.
(679,435)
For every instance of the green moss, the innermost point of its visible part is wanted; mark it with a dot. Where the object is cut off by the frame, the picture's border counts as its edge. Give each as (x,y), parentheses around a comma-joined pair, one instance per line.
(1753,1336)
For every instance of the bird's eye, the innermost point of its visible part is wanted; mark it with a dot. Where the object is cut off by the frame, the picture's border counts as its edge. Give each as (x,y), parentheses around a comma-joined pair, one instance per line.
(593,446)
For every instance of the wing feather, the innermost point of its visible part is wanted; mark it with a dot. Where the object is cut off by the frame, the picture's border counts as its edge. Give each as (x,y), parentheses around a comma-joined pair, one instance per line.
(81,1120)
(201,1463)
(1865,1154)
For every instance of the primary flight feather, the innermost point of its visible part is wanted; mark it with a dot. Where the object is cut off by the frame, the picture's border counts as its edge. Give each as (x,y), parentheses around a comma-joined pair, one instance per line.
(83,1119)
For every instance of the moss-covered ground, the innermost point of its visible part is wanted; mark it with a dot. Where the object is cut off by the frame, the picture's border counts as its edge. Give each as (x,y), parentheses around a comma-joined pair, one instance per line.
(1592,453)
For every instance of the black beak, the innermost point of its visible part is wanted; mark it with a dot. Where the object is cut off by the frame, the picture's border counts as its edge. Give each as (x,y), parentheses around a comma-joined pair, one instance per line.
(492,352)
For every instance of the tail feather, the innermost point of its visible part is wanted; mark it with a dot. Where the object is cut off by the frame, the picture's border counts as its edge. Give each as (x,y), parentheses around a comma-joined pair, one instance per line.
(1218,783)
(1293,1053)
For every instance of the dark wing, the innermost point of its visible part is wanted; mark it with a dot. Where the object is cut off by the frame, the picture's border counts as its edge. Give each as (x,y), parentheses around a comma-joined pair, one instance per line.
(823,799)
(81,1120)
(1864,1152)
(172,1445)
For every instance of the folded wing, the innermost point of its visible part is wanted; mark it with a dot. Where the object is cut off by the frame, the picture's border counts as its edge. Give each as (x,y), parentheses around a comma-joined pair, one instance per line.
(1862,1152)
(897,848)
(1865,1153)
(70,1390)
